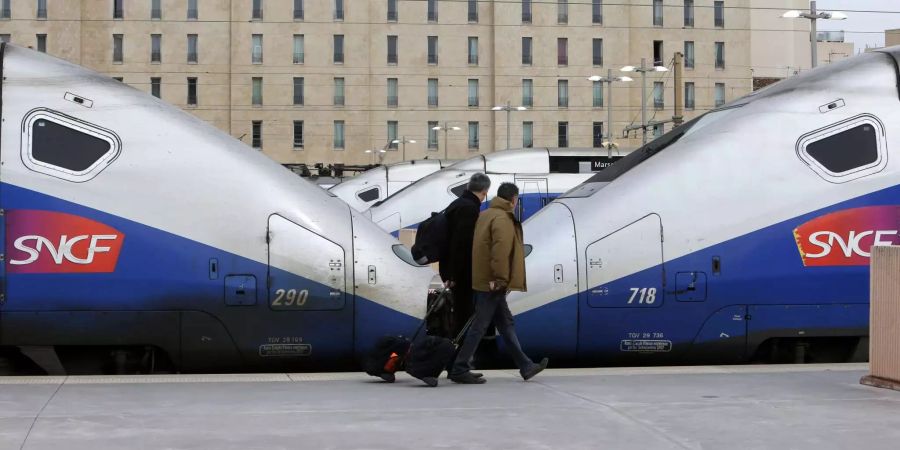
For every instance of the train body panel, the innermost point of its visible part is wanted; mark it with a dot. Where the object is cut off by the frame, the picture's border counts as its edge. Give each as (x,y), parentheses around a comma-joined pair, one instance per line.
(376,184)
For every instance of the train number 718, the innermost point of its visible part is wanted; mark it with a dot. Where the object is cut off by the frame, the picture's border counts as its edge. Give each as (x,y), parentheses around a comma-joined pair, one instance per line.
(642,295)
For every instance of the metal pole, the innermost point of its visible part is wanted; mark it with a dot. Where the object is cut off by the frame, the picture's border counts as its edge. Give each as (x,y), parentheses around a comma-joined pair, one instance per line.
(446,132)
(678,117)
(644,100)
(609,83)
(508,111)
(404,147)
(812,34)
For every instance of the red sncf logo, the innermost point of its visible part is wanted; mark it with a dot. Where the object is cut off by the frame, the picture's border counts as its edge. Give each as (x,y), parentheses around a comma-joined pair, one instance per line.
(846,238)
(52,242)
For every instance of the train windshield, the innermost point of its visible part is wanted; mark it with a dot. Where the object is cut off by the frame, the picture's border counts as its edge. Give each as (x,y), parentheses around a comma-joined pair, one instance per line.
(635,158)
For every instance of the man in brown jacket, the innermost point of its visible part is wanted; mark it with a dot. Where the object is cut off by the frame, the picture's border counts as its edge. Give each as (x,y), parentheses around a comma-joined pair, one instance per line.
(498,266)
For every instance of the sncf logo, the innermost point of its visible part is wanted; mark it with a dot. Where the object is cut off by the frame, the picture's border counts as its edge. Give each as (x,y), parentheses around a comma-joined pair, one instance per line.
(846,238)
(52,242)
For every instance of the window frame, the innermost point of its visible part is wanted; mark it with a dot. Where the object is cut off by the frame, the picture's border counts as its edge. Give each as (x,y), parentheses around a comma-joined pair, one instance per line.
(294,135)
(834,129)
(368,189)
(108,136)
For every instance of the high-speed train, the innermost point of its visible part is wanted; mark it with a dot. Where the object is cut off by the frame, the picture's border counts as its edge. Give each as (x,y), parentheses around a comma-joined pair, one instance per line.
(743,234)
(379,183)
(542,174)
(140,238)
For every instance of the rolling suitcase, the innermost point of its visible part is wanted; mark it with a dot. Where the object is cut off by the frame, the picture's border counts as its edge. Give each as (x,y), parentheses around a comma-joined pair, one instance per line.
(391,352)
(429,356)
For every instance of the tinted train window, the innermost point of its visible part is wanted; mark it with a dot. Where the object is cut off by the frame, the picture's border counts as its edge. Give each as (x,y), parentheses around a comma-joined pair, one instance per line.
(845,151)
(368,195)
(459,189)
(851,149)
(64,147)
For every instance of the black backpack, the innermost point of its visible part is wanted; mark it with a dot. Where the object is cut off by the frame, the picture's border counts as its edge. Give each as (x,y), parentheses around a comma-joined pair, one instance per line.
(431,239)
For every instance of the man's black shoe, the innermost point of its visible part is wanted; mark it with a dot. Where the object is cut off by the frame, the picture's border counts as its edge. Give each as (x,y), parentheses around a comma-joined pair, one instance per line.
(431,381)
(467,378)
(389,377)
(536,369)
(474,374)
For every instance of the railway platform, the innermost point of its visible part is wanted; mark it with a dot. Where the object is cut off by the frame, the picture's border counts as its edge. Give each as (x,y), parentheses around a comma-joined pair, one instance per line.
(708,407)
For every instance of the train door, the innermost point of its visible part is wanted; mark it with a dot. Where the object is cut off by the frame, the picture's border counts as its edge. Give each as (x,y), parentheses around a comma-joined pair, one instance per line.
(532,196)
(625,290)
(311,311)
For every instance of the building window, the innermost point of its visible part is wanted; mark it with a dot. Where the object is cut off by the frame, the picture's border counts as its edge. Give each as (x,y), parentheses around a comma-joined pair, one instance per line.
(689,96)
(527,92)
(598,134)
(597,12)
(299,51)
(298,134)
(156,48)
(562,11)
(339,49)
(657,13)
(192,91)
(473,11)
(392,133)
(392,10)
(473,51)
(392,49)
(526,11)
(562,93)
(42,9)
(192,51)
(338,92)
(689,54)
(659,129)
(339,10)
(5,11)
(192,13)
(432,92)
(118,48)
(658,90)
(257,134)
(119,79)
(689,13)
(473,93)
(298,91)
(118,9)
(339,134)
(720,55)
(598,94)
(432,135)
(298,9)
(719,13)
(257,50)
(562,51)
(528,134)
(257,10)
(155,10)
(720,94)
(432,49)
(432,11)
(526,51)
(562,132)
(597,53)
(156,87)
(392,92)
(257,91)
(473,135)
(41,43)
(658,53)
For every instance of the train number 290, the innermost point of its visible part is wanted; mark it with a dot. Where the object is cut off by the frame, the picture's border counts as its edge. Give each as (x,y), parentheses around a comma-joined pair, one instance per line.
(642,295)
(286,298)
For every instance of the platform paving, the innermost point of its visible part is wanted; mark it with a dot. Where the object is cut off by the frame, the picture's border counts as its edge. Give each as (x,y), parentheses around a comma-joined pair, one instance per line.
(710,407)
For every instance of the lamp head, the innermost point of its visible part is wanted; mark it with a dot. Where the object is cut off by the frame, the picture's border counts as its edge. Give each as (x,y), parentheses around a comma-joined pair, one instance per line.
(660,69)
(497,108)
(793,14)
(837,15)
(625,79)
(627,69)
(520,108)
(595,78)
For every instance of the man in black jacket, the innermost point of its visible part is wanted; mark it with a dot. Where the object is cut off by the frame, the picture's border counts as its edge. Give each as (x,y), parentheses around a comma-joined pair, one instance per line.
(456,261)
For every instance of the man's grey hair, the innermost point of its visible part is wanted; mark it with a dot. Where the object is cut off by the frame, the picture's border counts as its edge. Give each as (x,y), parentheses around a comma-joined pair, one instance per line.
(479,183)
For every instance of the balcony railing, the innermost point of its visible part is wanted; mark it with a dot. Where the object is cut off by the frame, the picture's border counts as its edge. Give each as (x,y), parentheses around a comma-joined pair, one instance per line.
(526,17)
(473,60)
(192,14)
(473,16)
(689,20)
(338,57)
(528,101)
(432,58)
(338,100)
(298,58)
(5,13)
(473,102)
(720,64)
(720,22)
(392,58)
(118,13)
(432,101)
(563,102)
(156,13)
(192,57)
(392,16)
(659,103)
(155,56)
(562,60)
(298,99)
(526,59)
(42,13)
(597,19)
(473,143)
(432,16)
(392,100)
(338,14)
(257,13)
(562,18)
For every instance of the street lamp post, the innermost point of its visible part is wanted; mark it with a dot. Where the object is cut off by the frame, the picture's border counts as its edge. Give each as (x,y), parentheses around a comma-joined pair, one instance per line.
(813,15)
(509,109)
(446,129)
(609,80)
(643,71)
(373,152)
(403,141)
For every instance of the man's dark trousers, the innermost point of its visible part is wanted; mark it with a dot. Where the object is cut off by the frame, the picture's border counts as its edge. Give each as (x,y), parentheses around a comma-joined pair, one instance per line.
(490,306)
(463,306)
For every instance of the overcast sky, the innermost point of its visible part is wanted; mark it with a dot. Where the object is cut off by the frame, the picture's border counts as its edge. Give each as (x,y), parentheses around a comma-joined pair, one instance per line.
(857,21)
